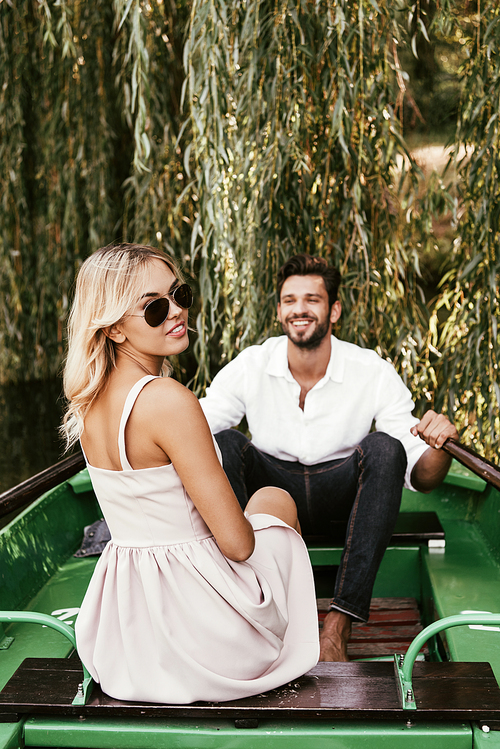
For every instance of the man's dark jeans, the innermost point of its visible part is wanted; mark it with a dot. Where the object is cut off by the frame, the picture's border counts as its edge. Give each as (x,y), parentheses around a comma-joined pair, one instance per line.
(364,490)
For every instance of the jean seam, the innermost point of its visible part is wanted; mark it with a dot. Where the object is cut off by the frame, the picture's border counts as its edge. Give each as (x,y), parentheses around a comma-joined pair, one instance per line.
(316,472)
(307,487)
(276,465)
(354,511)
(313,471)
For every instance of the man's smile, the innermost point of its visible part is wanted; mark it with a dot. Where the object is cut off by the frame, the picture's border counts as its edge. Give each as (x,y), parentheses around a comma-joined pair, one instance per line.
(301,322)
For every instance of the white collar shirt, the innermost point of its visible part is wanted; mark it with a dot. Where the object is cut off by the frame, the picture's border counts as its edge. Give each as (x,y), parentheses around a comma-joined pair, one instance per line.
(359,391)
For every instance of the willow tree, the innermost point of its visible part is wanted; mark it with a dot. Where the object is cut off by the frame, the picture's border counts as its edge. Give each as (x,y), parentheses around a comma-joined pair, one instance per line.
(234,134)
(56,152)
(295,110)
(89,117)
(470,341)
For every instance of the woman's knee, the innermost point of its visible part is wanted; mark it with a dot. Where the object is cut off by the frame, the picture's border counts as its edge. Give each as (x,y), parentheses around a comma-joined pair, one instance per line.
(271,500)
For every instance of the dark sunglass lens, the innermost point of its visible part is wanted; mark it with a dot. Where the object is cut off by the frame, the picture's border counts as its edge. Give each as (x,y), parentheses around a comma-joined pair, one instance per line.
(183,296)
(156,312)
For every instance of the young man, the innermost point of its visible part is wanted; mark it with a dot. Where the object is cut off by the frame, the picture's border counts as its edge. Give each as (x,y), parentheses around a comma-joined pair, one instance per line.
(310,401)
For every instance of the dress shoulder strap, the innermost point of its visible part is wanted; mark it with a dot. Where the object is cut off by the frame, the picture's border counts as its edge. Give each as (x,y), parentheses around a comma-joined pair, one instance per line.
(127,408)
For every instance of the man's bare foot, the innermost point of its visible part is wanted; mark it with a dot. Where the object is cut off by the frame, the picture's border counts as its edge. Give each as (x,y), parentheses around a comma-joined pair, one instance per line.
(334,637)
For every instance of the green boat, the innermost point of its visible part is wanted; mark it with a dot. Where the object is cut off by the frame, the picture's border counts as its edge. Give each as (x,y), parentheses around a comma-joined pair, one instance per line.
(441,566)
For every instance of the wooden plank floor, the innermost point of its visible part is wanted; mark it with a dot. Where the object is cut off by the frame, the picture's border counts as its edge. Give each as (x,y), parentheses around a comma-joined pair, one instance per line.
(392,625)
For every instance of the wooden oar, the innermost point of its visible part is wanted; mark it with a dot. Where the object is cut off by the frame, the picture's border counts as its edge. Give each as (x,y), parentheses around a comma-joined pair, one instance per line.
(34,487)
(474,462)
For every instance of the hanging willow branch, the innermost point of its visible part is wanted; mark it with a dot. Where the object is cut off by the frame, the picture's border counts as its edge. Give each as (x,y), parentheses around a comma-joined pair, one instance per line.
(148,60)
(88,151)
(235,134)
(296,148)
(57,150)
(470,340)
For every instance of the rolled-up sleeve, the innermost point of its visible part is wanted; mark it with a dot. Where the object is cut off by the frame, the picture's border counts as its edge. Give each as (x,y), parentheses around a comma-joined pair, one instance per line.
(394,416)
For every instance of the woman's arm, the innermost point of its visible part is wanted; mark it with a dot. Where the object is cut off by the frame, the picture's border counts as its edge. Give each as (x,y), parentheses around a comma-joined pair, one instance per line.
(178,426)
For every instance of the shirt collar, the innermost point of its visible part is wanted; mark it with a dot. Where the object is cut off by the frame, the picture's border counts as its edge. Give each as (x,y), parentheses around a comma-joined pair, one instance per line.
(277,365)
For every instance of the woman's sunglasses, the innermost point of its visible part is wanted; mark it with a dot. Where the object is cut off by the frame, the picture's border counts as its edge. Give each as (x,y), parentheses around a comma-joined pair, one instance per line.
(156,312)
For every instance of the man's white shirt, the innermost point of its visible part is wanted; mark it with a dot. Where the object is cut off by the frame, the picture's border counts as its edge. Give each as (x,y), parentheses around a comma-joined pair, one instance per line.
(358,391)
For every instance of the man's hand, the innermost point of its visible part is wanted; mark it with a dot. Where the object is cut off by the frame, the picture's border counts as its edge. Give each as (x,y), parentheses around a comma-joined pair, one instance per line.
(434,429)
(430,470)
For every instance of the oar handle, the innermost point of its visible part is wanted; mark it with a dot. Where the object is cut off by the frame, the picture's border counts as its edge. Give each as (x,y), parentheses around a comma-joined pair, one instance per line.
(474,462)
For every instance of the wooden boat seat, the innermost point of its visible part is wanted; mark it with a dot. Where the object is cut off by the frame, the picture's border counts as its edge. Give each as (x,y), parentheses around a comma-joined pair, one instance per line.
(333,691)
(411,528)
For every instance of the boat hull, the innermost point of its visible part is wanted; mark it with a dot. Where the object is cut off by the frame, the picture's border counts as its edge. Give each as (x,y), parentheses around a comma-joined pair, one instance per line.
(40,573)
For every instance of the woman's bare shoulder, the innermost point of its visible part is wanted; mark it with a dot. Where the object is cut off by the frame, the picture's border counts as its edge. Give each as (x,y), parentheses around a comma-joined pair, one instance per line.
(162,395)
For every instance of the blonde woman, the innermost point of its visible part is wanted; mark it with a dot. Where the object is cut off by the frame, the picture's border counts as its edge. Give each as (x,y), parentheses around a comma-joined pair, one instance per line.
(192,599)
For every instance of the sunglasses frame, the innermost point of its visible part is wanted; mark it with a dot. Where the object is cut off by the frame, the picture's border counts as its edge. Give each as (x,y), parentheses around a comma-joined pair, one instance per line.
(170,297)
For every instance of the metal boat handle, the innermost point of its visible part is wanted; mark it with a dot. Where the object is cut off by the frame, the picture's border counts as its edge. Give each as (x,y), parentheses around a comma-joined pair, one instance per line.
(34,617)
(403,665)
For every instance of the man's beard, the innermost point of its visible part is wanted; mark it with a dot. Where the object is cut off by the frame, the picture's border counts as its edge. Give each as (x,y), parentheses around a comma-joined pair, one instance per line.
(311,342)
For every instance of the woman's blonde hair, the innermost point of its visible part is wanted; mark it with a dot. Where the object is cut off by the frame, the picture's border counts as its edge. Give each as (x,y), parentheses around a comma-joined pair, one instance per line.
(108,286)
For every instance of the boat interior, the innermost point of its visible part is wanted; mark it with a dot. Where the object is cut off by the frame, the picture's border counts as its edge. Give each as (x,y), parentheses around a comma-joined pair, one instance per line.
(442,564)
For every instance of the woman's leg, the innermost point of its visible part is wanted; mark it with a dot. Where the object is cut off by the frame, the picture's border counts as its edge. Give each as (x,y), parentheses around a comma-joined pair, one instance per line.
(273,501)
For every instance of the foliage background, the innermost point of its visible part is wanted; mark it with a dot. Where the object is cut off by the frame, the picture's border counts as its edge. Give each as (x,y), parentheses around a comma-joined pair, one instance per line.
(235,134)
